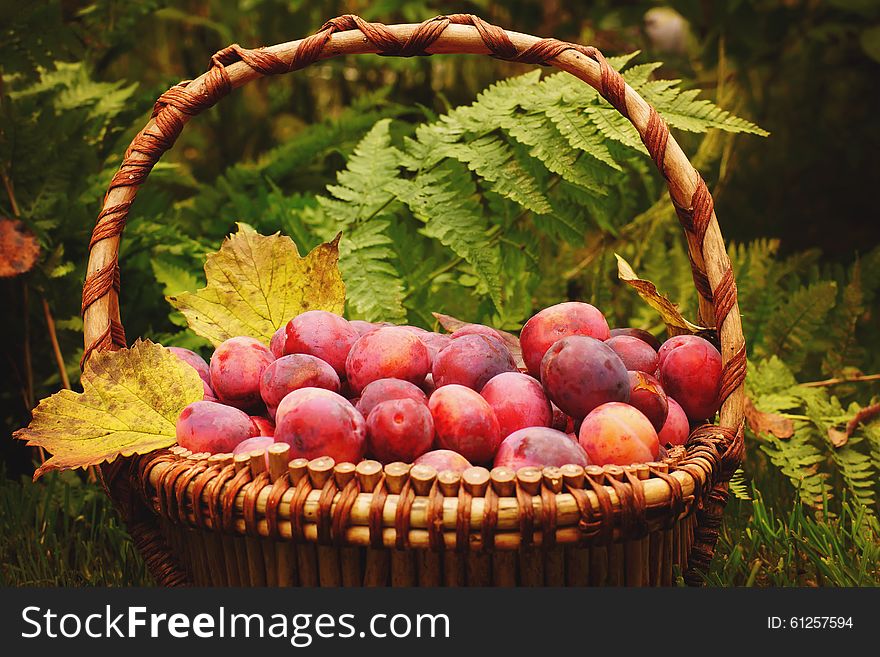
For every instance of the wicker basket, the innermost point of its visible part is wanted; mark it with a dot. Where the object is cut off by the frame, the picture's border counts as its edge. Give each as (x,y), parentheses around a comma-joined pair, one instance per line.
(215,521)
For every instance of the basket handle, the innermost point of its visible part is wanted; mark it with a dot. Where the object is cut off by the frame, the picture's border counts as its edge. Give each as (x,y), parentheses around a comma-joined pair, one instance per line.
(235,66)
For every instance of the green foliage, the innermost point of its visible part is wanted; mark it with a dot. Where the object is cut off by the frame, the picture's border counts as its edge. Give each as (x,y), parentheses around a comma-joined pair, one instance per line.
(63,532)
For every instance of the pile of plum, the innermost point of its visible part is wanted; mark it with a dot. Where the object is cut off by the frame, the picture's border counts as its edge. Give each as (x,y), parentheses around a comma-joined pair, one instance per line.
(352,390)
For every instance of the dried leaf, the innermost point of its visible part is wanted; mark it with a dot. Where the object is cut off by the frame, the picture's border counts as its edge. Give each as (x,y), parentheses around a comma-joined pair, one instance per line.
(839,438)
(256,283)
(451,324)
(19,248)
(129,405)
(648,291)
(772,423)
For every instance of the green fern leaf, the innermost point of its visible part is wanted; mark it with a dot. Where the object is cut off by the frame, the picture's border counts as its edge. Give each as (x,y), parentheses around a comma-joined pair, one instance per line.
(683,110)
(360,191)
(791,331)
(443,198)
(491,158)
(374,288)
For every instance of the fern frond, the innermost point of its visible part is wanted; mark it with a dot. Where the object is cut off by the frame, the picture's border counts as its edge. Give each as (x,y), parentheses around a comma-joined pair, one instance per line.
(739,486)
(685,111)
(443,198)
(374,287)
(360,194)
(791,331)
(491,158)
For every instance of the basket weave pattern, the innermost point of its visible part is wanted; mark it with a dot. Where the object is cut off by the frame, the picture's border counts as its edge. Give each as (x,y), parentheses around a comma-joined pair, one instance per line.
(187,511)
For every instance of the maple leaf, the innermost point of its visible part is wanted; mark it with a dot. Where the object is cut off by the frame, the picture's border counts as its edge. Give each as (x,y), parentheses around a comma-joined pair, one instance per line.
(256,283)
(648,291)
(129,405)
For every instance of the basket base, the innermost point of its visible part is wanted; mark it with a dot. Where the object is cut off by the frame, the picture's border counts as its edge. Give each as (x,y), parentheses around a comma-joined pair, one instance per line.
(212,559)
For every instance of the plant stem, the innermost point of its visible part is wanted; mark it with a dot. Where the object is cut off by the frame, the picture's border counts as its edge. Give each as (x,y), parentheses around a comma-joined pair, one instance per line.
(836,381)
(53,336)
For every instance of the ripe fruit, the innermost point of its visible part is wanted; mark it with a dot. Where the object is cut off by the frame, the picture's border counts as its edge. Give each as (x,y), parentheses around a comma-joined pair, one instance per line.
(276,344)
(383,390)
(390,352)
(555,323)
(253,444)
(518,401)
(362,327)
(475,329)
(236,368)
(317,422)
(465,423)
(209,392)
(195,361)
(676,429)
(561,421)
(636,354)
(690,371)
(641,334)
(471,361)
(580,373)
(618,434)
(265,426)
(293,372)
(322,334)
(647,395)
(399,430)
(434,342)
(539,446)
(205,426)
(444,459)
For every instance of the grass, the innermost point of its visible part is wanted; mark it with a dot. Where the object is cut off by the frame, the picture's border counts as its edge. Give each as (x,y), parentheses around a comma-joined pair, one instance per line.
(63,531)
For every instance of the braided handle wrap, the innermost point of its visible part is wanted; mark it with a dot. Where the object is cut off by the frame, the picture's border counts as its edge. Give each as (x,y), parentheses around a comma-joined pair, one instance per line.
(235,66)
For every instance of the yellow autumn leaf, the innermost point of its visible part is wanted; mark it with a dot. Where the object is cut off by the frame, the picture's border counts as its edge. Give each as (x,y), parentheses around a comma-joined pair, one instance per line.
(256,283)
(129,405)
(648,291)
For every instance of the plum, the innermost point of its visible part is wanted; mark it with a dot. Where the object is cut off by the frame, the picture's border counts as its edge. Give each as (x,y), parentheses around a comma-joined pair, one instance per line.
(236,368)
(676,429)
(518,401)
(399,430)
(389,352)
(690,371)
(465,423)
(641,334)
(293,372)
(265,426)
(322,334)
(539,446)
(561,421)
(382,390)
(471,361)
(276,344)
(579,373)
(208,392)
(475,329)
(636,354)
(434,342)
(618,434)
(647,395)
(444,459)
(206,426)
(557,322)
(318,422)
(363,327)
(195,361)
